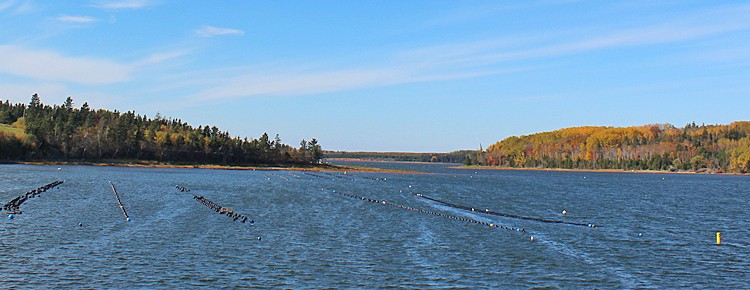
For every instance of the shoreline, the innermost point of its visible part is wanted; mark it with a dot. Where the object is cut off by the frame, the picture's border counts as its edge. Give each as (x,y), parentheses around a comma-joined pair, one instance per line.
(384,161)
(595,170)
(146,164)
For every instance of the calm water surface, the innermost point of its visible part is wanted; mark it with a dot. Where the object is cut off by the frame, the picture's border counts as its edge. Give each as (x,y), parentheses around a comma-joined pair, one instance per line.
(653,230)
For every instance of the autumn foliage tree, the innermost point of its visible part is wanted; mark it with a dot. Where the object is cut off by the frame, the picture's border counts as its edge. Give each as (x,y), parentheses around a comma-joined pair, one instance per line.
(722,148)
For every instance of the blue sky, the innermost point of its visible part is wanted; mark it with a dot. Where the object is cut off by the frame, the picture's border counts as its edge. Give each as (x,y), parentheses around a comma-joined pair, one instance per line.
(419,76)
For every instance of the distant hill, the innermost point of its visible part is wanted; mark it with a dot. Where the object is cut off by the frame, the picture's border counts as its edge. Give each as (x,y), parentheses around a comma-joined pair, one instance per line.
(450,157)
(704,148)
(38,132)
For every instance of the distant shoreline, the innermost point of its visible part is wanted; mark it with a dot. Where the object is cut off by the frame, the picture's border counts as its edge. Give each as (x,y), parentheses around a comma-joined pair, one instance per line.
(315,167)
(383,161)
(594,170)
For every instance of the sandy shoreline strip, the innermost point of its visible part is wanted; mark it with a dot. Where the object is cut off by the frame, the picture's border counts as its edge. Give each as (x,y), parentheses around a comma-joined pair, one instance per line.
(321,167)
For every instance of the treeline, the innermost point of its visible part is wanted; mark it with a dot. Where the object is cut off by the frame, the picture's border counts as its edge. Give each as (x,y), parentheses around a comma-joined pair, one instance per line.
(62,132)
(714,148)
(450,157)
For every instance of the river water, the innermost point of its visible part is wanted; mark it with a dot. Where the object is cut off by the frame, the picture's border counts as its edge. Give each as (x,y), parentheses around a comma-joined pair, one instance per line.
(651,230)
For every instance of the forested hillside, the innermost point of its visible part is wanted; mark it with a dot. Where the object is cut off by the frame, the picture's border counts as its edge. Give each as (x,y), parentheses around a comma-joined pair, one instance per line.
(62,132)
(716,148)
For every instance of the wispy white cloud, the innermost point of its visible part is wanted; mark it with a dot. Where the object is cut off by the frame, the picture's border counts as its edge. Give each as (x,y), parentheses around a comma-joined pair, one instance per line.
(122,4)
(6,4)
(161,57)
(17,7)
(211,31)
(76,19)
(463,60)
(52,66)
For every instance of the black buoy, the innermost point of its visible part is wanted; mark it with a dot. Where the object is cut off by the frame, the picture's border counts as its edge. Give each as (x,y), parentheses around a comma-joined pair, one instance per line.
(259,238)
(80,224)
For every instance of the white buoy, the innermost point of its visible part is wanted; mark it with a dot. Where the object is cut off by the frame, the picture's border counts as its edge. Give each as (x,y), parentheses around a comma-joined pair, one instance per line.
(564,212)
(532,238)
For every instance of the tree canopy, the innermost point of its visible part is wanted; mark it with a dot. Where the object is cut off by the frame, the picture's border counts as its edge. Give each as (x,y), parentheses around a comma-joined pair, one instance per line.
(62,132)
(720,148)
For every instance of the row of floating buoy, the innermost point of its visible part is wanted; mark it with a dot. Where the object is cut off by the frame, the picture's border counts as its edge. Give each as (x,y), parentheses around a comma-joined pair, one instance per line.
(340,176)
(182,188)
(314,175)
(383,202)
(343,176)
(279,176)
(13,206)
(119,202)
(489,212)
(221,210)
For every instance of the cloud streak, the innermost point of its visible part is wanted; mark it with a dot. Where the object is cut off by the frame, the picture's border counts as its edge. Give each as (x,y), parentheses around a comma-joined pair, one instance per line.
(122,4)
(465,60)
(211,31)
(76,19)
(16,7)
(52,66)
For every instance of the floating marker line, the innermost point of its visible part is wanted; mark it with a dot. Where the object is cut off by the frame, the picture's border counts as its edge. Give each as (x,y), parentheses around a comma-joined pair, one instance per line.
(215,207)
(383,202)
(344,176)
(221,210)
(278,175)
(119,202)
(341,176)
(315,175)
(13,206)
(489,212)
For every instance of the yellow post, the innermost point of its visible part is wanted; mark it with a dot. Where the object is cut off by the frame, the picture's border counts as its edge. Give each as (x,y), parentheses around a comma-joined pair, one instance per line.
(718,238)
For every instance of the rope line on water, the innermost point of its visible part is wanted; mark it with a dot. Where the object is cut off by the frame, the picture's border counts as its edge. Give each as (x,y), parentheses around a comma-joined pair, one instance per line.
(222,210)
(119,202)
(13,206)
(217,208)
(277,175)
(383,202)
(345,175)
(315,175)
(489,212)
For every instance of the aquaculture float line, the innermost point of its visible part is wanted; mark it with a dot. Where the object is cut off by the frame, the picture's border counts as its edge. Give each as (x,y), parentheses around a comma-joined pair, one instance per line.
(119,202)
(278,175)
(489,212)
(14,205)
(344,176)
(353,177)
(383,202)
(182,188)
(221,210)
(340,176)
(315,175)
